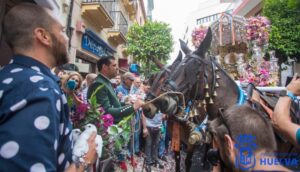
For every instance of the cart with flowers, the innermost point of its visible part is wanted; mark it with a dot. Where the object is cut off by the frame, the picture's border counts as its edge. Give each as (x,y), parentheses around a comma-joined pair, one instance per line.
(241,45)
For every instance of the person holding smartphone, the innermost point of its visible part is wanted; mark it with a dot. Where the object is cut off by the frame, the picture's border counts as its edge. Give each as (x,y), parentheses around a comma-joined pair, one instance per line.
(281,118)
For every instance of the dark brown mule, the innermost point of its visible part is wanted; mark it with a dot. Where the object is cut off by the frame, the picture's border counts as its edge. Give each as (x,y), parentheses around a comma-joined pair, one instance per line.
(207,87)
(202,82)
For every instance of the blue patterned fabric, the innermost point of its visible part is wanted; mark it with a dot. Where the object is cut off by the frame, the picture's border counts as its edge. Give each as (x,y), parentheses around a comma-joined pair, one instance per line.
(156,121)
(34,119)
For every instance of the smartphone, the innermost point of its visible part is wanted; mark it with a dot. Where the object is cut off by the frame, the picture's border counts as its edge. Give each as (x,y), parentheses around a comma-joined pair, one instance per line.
(289,79)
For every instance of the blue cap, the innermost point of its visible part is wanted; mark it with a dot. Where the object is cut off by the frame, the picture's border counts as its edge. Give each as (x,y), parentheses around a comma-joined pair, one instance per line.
(134,68)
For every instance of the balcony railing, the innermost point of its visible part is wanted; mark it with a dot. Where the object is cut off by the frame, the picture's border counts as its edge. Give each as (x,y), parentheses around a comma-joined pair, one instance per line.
(120,22)
(98,12)
(109,5)
(113,9)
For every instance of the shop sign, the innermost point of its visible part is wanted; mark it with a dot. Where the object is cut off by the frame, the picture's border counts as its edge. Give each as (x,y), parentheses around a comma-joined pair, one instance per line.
(89,44)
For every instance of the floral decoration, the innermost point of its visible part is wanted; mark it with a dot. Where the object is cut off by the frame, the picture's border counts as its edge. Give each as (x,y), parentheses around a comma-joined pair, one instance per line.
(258,28)
(259,74)
(114,136)
(198,35)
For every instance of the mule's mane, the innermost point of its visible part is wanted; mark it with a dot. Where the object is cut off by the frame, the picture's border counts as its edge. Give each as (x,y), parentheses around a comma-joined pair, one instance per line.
(226,74)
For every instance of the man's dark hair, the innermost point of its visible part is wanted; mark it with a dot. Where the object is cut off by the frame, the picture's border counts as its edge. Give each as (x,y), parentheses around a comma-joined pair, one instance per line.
(105,60)
(20,22)
(241,120)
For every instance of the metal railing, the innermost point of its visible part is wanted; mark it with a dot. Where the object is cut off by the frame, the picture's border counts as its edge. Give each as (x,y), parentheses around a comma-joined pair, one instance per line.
(120,22)
(113,9)
(108,5)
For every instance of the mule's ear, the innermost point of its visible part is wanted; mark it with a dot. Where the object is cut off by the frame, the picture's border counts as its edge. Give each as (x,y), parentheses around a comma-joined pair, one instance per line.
(179,57)
(176,61)
(184,47)
(205,44)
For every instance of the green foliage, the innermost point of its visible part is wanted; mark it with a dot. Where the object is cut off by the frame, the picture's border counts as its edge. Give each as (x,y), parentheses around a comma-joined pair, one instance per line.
(150,68)
(285,29)
(93,99)
(113,130)
(120,133)
(115,137)
(152,40)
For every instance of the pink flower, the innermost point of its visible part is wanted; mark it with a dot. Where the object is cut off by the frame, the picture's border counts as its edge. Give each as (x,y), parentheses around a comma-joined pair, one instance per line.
(108,120)
(82,108)
(251,79)
(258,28)
(198,35)
(263,83)
(80,113)
(264,72)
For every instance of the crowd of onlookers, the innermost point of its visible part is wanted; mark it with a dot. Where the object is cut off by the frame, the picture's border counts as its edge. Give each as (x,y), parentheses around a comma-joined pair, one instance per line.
(35,106)
(149,135)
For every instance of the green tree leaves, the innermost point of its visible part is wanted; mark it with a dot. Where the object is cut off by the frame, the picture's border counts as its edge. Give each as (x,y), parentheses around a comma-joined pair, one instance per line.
(285,30)
(152,40)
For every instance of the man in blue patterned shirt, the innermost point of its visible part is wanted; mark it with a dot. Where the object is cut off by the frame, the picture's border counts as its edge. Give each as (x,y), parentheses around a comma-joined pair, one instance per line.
(35,130)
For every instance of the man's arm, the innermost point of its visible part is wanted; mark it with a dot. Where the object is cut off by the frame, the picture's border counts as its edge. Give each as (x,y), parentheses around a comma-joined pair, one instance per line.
(35,125)
(282,121)
(89,158)
(281,118)
(103,99)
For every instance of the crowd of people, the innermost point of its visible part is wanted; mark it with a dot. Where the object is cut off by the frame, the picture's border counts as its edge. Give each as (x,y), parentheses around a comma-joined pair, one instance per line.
(122,98)
(34,114)
(38,99)
(36,105)
(122,95)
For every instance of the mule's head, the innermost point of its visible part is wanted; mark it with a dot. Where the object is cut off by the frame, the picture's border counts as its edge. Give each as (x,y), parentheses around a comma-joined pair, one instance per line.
(181,77)
(157,83)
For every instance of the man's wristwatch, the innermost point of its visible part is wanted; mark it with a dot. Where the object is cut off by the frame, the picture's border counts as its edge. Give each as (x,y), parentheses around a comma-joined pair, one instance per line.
(289,94)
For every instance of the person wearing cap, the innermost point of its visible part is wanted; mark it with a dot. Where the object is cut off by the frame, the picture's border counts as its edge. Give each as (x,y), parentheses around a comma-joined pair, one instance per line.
(123,89)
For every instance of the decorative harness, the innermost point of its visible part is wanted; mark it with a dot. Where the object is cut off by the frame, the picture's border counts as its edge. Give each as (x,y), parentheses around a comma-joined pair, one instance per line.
(209,93)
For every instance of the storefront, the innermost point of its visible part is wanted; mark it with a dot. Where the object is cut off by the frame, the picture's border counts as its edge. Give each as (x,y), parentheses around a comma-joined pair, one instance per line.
(91,50)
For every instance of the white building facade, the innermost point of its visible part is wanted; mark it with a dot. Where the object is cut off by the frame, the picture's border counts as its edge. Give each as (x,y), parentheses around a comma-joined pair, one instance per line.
(207,12)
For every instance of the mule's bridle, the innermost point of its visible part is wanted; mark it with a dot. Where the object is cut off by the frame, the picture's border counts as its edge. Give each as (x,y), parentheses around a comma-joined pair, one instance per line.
(171,84)
(167,93)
